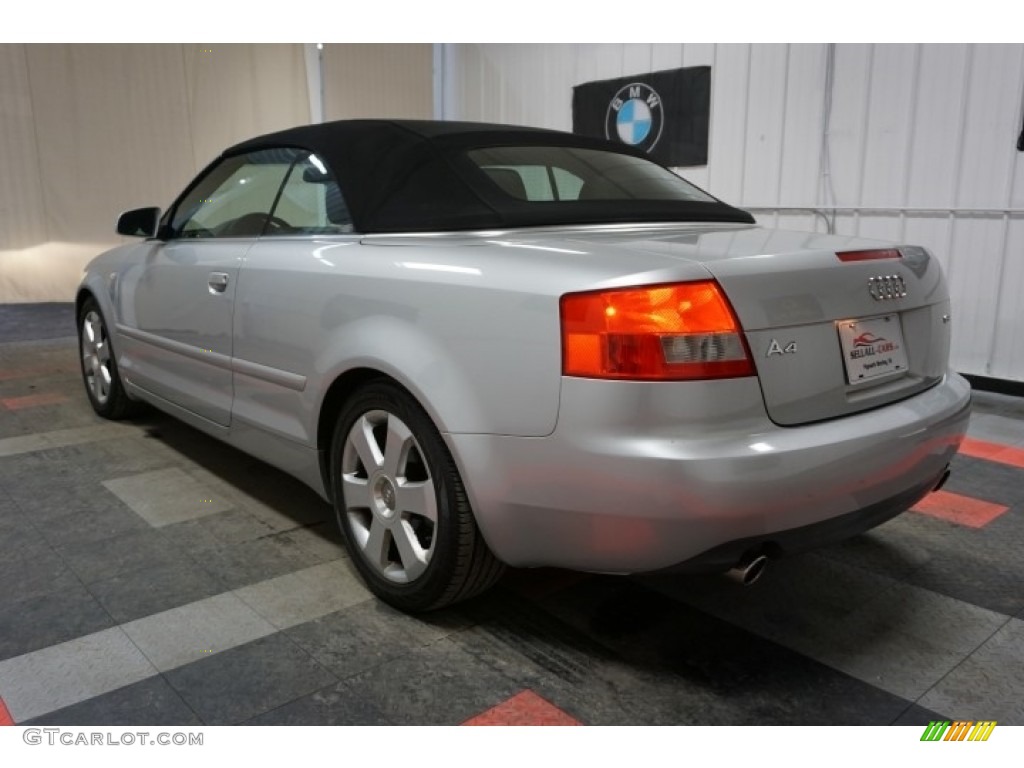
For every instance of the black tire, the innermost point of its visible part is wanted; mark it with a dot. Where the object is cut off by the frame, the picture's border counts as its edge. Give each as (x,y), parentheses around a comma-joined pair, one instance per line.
(96,359)
(406,559)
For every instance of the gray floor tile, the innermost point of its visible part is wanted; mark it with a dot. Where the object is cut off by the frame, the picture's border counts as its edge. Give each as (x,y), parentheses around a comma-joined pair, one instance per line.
(368,634)
(988,684)
(336,705)
(253,561)
(248,681)
(438,684)
(43,440)
(61,675)
(130,455)
(997,429)
(149,702)
(37,622)
(994,402)
(220,529)
(302,596)
(147,591)
(166,496)
(905,641)
(196,631)
(137,551)
(322,540)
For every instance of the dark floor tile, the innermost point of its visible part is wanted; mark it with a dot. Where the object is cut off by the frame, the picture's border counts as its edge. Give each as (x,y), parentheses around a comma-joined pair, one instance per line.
(987,480)
(336,705)
(48,620)
(720,674)
(143,592)
(995,584)
(889,550)
(86,526)
(536,650)
(919,716)
(149,702)
(251,561)
(368,634)
(136,551)
(59,493)
(244,682)
(26,578)
(10,512)
(438,684)
(21,542)
(30,322)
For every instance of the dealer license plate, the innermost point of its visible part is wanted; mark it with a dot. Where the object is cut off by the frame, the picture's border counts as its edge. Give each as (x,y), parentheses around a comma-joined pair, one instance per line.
(872,347)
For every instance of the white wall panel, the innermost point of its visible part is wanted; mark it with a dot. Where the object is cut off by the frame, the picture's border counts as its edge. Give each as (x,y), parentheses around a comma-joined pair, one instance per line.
(730,80)
(21,195)
(850,114)
(889,122)
(1008,340)
(912,127)
(939,118)
(993,120)
(799,174)
(763,146)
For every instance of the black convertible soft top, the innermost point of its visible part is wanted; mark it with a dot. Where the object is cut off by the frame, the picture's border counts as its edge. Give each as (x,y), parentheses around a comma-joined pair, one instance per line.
(415,176)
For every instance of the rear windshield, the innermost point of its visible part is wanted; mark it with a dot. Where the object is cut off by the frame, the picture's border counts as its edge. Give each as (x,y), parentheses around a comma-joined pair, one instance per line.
(548,174)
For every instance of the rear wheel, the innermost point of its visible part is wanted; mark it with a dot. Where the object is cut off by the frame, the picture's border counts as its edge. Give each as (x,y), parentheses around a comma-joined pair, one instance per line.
(99,369)
(402,506)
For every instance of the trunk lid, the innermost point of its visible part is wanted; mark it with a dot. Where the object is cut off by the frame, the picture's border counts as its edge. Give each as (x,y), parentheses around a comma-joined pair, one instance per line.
(828,337)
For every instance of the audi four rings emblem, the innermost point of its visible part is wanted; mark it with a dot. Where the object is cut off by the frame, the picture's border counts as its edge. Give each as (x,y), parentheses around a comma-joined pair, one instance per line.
(886,287)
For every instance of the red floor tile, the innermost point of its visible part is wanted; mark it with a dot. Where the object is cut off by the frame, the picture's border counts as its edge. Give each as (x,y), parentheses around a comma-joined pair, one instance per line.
(526,708)
(1004,454)
(961,510)
(31,401)
(5,716)
(39,370)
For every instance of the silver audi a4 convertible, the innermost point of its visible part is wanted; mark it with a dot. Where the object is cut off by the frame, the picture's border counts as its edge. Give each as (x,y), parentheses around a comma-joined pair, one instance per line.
(491,345)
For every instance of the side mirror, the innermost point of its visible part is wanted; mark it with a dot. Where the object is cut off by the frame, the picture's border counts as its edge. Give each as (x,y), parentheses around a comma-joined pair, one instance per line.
(141,222)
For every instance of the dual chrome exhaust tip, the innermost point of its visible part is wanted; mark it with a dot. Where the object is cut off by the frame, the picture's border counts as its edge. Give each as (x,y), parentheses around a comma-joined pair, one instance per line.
(748,570)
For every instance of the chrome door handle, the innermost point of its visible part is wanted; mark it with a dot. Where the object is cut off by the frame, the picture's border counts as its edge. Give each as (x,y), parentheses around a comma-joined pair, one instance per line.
(218,282)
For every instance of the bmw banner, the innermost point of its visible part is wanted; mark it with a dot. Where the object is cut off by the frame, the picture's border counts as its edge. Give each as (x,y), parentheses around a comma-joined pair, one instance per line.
(664,113)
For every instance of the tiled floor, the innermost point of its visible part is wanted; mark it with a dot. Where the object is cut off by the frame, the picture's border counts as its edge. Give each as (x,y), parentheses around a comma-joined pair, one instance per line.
(153,576)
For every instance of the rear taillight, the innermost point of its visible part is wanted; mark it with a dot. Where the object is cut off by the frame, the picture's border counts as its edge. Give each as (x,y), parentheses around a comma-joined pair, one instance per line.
(657,332)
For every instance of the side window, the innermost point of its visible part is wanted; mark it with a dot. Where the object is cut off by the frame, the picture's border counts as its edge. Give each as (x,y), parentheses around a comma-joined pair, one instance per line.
(311,202)
(536,183)
(234,199)
(567,184)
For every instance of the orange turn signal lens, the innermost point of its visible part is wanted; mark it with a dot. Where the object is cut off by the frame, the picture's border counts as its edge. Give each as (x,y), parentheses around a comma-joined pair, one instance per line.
(659,332)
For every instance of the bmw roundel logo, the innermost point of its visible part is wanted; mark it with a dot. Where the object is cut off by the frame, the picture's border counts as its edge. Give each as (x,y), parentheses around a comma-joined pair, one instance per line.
(635,116)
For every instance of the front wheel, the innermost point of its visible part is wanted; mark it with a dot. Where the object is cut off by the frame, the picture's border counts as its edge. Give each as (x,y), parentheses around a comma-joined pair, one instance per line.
(99,368)
(401,504)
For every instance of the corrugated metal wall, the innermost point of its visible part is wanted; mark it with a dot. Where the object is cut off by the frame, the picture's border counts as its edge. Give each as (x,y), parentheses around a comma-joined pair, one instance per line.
(922,145)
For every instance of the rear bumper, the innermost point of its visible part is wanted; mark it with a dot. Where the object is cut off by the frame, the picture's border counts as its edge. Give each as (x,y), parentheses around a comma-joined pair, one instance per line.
(642,477)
